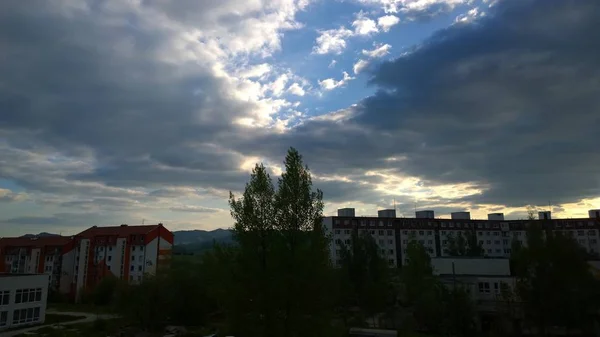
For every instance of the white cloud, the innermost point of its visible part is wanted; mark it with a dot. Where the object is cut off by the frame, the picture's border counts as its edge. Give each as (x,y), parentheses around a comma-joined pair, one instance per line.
(386,22)
(255,71)
(469,16)
(330,84)
(332,41)
(360,65)
(332,64)
(278,86)
(364,25)
(379,51)
(395,6)
(296,89)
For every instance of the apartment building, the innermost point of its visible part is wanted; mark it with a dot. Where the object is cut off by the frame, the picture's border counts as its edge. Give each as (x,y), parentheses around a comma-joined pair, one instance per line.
(81,261)
(495,234)
(22,299)
(34,255)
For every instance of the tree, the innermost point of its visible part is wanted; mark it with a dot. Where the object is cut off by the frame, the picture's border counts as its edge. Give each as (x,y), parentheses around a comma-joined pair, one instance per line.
(464,245)
(364,276)
(554,281)
(531,212)
(264,288)
(305,251)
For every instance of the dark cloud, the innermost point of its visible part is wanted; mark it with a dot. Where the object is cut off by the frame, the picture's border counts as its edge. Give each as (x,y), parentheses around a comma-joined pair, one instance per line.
(509,102)
(194,209)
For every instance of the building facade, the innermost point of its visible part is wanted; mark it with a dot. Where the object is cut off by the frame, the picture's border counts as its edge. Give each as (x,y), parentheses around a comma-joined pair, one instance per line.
(81,261)
(495,235)
(22,299)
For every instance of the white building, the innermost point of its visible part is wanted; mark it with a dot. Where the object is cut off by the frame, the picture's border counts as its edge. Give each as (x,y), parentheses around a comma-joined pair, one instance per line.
(22,299)
(484,278)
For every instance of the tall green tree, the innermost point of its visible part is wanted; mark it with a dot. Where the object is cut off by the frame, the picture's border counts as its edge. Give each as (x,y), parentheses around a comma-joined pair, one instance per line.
(365,276)
(554,281)
(299,211)
(254,231)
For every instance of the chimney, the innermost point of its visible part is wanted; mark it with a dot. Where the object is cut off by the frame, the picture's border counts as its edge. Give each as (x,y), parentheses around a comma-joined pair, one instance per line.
(496,216)
(594,213)
(545,215)
(460,215)
(428,214)
(386,213)
(347,212)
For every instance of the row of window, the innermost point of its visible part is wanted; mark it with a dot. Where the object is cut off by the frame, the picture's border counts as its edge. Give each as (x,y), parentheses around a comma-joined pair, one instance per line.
(348,241)
(27,315)
(28,295)
(364,222)
(389,232)
(485,287)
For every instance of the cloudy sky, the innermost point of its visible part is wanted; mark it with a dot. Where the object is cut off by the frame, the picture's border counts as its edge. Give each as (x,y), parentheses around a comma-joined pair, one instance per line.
(124,111)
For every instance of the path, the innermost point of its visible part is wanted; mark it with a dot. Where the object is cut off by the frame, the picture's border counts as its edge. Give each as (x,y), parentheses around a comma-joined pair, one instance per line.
(89,317)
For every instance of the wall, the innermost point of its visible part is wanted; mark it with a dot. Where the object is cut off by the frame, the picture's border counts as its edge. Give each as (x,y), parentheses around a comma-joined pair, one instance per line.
(471,266)
(12,283)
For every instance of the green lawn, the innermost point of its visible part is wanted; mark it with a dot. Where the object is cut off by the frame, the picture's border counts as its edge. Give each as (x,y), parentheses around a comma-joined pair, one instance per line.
(76,307)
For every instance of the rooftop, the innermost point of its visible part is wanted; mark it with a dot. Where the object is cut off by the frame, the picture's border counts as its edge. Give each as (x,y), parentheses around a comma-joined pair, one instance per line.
(122,230)
(18,275)
(54,240)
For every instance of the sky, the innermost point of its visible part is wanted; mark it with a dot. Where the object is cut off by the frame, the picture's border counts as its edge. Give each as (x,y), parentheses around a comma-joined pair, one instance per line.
(147,111)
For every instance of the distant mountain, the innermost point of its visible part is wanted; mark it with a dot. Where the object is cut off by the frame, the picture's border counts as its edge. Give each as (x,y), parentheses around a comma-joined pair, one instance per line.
(42,234)
(201,236)
(198,241)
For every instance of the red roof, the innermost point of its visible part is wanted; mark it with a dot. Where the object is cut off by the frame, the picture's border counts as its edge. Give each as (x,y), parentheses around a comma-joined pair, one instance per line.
(123,230)
(54,240)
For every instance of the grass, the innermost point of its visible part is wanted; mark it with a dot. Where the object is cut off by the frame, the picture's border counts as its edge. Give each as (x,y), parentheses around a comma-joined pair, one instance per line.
(80,307)
(50,319)
(98,328)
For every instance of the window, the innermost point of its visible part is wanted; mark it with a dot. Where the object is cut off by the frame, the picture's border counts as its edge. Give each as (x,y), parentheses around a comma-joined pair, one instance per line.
(381,232)
(139,278)
(404,241)
(505,241)
(108,267)
(498,250)
(497,242)
(347,231)
(141,248)
(429,233)
(580,233)
(489,251)
(444,242)
(391,242)
(496,288)
(141,258)
(4,297)
(337,231)
(593,241)
(380,222)
(139,268)
(372,232)
(488,234)
(421,241)
(480,242)
(480,233)
(391,261)
(421,232)
(133,248)
(110,249)
(133,258)
(496,234)
(347,241)
(443,232)
(405,232)
(381,242)
(25,315)
(28,295)
(390,232)
(130,278)
(131,268)
(484,287)
(3,318)
(391,252)
(489,242)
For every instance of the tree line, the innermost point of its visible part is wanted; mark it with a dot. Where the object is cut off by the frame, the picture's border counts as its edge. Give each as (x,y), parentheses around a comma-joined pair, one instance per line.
(277,278)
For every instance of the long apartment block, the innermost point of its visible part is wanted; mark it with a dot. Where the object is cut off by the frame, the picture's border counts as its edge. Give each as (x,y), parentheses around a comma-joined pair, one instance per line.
(495,234)
(79,262)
